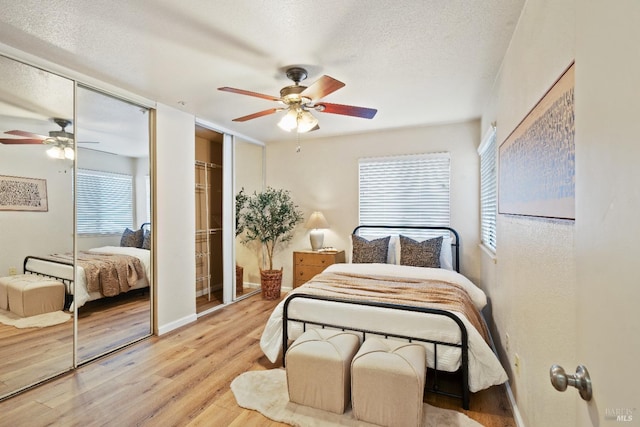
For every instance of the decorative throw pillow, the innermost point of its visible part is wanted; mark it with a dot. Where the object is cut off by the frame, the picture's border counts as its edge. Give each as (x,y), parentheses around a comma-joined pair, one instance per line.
(369,251)
(146,241)
(420,254)
(132,239)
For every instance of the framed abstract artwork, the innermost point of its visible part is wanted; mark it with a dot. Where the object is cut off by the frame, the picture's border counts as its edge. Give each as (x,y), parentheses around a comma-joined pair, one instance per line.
(23,194)
(537,160)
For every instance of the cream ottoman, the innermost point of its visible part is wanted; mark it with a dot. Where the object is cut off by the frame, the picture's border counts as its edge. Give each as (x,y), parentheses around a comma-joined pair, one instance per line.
(4,297)
(387,382)
(318,369)
(29,294)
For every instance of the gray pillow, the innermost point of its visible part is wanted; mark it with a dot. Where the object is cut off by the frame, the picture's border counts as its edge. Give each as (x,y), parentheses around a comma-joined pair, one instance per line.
(369,251)
(420,254)
(146,241)
(132,239)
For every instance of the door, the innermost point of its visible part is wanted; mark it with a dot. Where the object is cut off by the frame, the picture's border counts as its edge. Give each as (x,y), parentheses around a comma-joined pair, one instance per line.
(608,202)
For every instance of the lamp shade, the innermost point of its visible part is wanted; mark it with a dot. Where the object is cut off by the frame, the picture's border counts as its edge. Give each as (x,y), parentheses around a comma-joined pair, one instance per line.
(317,220)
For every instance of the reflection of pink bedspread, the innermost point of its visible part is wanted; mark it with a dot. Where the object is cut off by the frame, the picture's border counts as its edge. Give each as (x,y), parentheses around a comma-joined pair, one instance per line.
(110,274)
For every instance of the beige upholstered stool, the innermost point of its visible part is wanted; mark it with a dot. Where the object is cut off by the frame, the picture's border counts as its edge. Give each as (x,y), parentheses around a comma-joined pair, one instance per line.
(4,297)
(387,382)
(29,294)
(318,369)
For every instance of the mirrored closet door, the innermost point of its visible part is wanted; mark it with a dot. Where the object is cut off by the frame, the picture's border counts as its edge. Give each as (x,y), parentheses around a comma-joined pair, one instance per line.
(114,229)
(249,178)
(36,220)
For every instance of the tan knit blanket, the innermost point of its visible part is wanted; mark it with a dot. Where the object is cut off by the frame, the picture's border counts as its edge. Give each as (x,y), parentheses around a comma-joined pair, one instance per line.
(435,294)
(110,274)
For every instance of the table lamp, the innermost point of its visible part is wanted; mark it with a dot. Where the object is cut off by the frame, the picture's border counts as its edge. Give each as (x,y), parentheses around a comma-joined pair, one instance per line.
(316,223)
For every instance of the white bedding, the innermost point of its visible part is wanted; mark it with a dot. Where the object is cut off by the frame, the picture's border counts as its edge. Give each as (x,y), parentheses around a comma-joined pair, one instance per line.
(484,368)
(82,295)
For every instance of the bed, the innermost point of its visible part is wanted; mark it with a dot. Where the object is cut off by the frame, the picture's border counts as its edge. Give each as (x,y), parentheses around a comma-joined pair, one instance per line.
(127,268)
(347,296)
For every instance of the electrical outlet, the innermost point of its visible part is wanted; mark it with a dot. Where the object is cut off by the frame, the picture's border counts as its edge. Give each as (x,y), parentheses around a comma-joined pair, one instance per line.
(506,343)
(516,362)
(12,271)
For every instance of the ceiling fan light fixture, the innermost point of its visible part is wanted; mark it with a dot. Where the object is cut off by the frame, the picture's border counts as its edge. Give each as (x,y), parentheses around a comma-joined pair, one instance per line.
(289,121)
(69,153)
(306,122)
(55,152)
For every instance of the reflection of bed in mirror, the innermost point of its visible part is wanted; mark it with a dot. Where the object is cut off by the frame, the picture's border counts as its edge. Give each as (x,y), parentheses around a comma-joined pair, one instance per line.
(102,272)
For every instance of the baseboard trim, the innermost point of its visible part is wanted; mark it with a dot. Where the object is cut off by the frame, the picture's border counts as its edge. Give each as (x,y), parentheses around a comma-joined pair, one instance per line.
(514,407)
(163,329)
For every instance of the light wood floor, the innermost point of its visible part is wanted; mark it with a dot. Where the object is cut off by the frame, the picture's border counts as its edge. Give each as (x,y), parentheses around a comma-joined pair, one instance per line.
(33,354)
(182,379)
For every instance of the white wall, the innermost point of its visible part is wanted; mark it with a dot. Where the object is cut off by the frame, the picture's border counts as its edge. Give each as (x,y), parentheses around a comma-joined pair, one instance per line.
(533,284)
(36,233)
(174,225)
(324,176)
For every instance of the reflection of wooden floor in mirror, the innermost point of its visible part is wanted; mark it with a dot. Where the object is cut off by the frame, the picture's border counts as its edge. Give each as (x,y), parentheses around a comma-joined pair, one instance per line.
(109,323)
(32,354)
(204,303)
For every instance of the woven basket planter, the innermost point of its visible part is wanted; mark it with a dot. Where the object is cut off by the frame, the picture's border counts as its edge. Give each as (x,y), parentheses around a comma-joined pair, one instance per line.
(271,282)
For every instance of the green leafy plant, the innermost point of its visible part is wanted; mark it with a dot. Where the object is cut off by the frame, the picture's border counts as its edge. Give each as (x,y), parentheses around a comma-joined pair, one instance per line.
(269,217)
(241,201)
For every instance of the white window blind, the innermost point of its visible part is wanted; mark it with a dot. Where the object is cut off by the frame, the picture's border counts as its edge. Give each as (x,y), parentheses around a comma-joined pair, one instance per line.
(104,202)
(405,190)
(488,188)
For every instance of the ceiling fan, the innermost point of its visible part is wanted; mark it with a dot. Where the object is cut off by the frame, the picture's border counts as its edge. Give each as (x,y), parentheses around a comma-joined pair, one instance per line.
(62,141)
(299,100)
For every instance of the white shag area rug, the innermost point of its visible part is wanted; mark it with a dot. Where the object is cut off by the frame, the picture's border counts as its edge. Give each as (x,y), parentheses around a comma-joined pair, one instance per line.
(38,321)
(266,392)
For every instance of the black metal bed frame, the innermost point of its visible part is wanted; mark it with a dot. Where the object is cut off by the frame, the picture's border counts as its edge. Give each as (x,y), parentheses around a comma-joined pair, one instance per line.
(66,281)
(455,243)
(463,344)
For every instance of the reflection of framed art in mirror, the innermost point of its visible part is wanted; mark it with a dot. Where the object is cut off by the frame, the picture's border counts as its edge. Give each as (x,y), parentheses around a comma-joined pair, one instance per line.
(23,194)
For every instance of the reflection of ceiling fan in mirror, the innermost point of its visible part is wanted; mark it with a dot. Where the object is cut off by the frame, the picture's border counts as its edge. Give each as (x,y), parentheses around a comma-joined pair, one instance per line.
(62,141)
(300,100)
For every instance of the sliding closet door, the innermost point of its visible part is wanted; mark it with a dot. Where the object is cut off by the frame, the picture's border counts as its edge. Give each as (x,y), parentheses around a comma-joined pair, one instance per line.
(36,219)
(249,177)
(114,229)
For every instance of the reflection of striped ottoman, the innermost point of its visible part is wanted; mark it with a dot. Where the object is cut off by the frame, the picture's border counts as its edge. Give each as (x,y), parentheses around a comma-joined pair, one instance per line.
(318,365)
(387,382)
(28,294)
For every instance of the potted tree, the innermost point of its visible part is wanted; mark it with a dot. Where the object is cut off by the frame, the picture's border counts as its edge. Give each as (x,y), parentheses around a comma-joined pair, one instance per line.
(269,217)
(241,200)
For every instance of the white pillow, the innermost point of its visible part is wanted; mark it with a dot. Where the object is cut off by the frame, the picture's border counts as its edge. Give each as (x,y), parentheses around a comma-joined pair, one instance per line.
(446,255)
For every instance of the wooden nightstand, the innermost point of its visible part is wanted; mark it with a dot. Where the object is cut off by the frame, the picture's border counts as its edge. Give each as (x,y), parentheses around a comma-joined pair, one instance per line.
(307,264)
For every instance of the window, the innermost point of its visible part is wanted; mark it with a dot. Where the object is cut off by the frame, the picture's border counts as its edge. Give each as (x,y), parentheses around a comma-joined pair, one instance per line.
(105,202)
(405,190)
(488,186)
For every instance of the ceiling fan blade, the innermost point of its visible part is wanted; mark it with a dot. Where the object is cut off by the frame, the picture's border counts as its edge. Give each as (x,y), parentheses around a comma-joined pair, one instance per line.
(346,110)
(322,87)
(247,92)
(88,142)
(316,127)
(256,115)
(25,134)
(20,141)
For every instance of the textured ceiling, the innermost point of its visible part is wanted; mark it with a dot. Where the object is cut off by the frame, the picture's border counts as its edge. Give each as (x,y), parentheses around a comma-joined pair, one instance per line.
(418,62)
